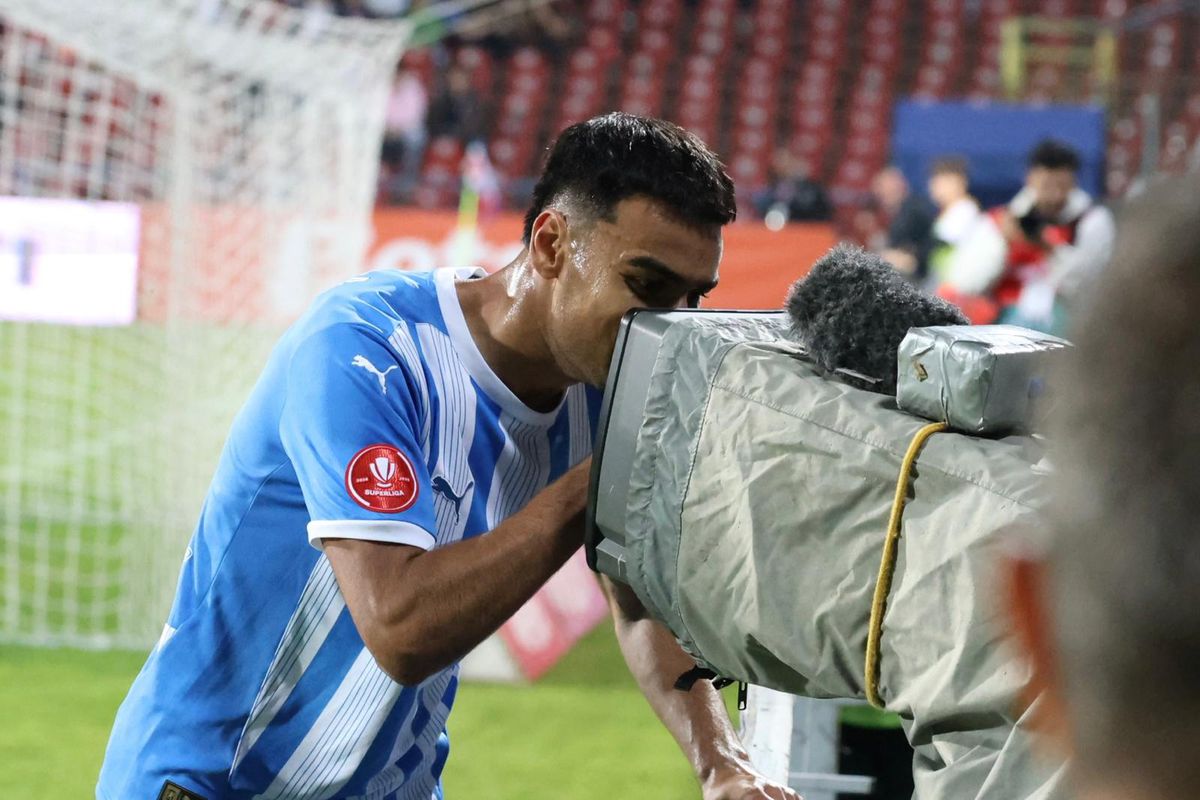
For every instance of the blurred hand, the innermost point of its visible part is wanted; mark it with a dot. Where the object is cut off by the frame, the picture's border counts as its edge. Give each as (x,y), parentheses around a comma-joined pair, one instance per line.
(1010,228)
(744,783)
(1055,237)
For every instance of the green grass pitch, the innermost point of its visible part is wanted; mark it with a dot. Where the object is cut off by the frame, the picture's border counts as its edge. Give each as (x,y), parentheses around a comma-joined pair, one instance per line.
(582,732)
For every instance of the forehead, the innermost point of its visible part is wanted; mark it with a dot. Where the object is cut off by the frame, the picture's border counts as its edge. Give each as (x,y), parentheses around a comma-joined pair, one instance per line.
(644,227)
(1055,175)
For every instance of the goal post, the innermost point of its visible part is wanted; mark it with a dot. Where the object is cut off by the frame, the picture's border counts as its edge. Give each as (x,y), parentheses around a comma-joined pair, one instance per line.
(178,178)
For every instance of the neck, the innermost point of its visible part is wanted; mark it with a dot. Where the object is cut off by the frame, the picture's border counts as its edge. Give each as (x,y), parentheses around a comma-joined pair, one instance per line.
(500,314)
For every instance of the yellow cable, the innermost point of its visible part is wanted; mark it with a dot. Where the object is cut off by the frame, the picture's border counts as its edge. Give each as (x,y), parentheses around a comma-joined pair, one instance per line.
(887,567)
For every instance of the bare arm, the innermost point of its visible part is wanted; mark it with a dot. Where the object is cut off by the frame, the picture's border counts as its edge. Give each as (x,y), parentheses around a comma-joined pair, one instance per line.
(418,611)
(696,718)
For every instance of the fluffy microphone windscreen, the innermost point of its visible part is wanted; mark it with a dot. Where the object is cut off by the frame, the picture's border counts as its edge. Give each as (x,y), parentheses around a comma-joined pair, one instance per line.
(853,309)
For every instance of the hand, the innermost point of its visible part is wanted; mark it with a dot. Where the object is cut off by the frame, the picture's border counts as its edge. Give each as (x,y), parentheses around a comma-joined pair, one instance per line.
(744,783)
(1055,237)
(1010,228)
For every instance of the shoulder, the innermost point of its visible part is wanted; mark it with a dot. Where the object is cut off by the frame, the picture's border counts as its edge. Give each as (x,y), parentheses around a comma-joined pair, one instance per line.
(374,308)
(1095,225)
(379,299)
(1098,214)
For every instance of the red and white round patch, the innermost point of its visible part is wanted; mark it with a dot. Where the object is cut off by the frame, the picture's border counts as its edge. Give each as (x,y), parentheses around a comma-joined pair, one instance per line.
(381,478)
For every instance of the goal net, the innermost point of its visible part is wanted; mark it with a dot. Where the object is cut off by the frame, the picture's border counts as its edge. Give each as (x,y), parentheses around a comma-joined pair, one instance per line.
(177,179)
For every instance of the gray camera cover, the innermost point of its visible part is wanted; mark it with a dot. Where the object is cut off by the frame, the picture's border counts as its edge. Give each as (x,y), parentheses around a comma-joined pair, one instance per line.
(983,379)
(752,507)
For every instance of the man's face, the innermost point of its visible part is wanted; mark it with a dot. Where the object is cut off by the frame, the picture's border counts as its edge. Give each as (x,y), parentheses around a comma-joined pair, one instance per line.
(643,258)
(1051,188)
(947,188)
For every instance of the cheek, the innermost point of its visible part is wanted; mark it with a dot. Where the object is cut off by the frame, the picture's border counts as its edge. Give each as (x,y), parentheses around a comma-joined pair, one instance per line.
(606,337)
(595,337)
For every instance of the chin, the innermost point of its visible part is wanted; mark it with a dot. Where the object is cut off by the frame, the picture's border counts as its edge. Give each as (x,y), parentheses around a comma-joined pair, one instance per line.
(592,380)
(596,377)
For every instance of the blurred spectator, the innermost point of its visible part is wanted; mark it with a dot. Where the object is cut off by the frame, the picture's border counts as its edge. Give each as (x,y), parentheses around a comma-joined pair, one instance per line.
(910,223)
(1032,257)
(1107,608)
(958,213)
(404,131)
(791,193)
(864,228)
(457,110)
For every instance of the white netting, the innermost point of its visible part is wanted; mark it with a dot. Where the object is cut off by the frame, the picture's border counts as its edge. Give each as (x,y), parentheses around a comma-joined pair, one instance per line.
(247,134)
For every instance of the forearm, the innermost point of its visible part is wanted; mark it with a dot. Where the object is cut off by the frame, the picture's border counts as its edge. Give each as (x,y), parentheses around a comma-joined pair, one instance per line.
(460,594)
(696,718)
(445,601)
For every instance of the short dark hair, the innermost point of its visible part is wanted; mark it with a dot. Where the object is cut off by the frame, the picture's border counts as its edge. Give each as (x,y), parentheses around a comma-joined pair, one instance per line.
(950,165)
(1053,154)
(1125,552)
(616,156)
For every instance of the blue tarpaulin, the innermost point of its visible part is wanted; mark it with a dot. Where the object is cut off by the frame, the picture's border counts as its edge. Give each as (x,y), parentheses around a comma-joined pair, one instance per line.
(995,138)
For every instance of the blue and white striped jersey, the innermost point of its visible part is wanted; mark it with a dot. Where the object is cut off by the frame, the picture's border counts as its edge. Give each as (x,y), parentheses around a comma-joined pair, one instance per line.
(375,418)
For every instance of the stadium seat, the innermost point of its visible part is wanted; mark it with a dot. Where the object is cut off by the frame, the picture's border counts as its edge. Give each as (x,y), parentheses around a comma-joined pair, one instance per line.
(819,77)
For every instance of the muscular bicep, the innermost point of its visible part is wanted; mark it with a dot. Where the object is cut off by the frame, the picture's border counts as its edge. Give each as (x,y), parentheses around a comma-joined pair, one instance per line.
(372,577)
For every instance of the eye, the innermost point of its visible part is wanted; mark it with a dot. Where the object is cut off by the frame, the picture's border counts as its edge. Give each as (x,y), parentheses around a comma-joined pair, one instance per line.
(649,293)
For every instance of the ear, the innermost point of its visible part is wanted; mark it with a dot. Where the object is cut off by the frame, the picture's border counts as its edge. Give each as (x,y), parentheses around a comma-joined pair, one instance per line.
(1027,600)
(548,243)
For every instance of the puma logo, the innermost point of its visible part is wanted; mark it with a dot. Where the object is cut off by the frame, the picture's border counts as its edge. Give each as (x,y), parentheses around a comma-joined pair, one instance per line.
(442,487)
(361,361)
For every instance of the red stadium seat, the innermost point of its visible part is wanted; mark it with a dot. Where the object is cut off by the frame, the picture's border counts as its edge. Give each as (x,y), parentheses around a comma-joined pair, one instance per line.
(820,77)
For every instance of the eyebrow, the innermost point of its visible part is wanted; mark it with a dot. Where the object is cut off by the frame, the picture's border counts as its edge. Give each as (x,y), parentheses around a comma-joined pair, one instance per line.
(652,264)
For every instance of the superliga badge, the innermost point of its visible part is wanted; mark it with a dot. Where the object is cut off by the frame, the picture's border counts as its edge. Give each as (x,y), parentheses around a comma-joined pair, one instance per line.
(381,478)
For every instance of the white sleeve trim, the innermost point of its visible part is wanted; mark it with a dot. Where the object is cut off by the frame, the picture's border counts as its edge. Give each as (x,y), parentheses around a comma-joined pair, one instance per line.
(370,530)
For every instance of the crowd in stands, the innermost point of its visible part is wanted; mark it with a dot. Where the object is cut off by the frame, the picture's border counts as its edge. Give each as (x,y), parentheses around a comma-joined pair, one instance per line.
(1023,263)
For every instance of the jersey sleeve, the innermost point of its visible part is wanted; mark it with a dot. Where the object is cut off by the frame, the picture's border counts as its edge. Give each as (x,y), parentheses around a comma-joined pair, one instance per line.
(350,426)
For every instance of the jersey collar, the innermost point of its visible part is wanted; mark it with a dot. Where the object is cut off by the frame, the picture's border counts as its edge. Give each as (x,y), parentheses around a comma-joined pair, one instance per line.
(468,351)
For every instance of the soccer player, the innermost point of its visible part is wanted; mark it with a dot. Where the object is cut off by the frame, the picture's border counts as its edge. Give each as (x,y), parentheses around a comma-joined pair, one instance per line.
(409,470)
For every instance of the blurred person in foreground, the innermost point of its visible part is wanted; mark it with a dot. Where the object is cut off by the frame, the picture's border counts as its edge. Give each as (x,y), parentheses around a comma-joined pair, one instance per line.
(958,213)
(910,224)
(411,467)
(1032,257)
(792,194)
(1107,607)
